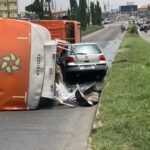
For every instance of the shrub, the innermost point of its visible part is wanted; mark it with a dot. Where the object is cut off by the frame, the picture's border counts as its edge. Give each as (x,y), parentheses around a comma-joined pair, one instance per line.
(132,29)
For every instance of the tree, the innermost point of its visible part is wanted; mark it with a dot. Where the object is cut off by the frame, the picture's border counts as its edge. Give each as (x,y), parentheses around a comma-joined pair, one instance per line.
(69,14)
(49,9)
(82,14)
(88,15)
(92,8)
(37,8)
(148,11)
(73,9)
(98,13)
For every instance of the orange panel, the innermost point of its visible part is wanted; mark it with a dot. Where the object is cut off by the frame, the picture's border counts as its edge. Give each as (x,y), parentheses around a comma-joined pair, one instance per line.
(15,50)
(55,27)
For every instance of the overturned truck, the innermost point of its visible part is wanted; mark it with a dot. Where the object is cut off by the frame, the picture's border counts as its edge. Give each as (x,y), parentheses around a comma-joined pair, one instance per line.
(27,64)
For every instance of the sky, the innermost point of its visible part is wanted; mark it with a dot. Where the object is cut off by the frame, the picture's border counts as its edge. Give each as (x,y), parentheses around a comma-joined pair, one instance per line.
(64,4)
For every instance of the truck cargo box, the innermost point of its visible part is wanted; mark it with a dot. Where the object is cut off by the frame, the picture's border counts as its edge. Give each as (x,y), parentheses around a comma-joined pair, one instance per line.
(24,65)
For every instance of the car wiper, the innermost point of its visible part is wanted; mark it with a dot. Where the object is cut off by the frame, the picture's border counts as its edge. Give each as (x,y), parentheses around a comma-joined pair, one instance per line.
(72,48)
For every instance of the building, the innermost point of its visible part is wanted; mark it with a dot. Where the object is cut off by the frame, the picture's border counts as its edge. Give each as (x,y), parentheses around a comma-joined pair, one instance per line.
(8,9)
(143,7)
(59,13)
(144,11)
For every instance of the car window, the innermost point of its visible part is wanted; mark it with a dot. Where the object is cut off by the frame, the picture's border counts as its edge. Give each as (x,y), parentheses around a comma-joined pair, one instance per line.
(86,49)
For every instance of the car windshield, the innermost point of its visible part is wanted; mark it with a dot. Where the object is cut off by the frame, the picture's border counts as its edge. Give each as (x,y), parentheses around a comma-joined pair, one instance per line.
(86,49)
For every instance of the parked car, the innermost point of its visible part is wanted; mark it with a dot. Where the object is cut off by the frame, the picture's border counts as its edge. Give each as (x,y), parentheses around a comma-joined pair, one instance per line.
(82,58)
(148,24)
(140,22)
(107,21)
(144,27)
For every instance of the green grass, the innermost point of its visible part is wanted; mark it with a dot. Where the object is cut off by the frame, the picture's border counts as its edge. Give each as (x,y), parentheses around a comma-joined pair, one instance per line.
(124,112)
(91,29)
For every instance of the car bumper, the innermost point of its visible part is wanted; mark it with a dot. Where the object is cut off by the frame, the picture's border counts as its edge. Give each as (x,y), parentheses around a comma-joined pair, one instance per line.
(85,69)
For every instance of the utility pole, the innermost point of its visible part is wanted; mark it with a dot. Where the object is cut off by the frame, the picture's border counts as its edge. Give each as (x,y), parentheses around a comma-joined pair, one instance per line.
(132,10)
(105,7)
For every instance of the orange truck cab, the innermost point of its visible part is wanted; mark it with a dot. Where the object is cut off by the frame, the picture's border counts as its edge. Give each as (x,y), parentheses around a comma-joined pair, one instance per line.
(65,30)
(27,64)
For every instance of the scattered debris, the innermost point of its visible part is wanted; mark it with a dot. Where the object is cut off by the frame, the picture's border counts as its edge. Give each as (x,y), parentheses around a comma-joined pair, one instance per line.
(62,102)
(86,97)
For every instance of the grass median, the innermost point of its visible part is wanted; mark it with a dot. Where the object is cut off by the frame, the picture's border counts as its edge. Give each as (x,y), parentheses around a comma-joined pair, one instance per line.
(123,119)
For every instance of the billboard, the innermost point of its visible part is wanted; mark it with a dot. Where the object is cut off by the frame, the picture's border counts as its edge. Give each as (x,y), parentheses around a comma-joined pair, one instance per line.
(128,8)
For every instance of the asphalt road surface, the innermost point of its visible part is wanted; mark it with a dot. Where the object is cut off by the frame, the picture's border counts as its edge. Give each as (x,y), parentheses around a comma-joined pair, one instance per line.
(56,127)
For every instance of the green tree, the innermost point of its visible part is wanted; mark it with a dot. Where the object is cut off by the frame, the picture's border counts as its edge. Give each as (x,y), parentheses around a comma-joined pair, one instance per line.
(98,13)
(73,9)
(37,8)
(49,9)
(92,10)
(69,14)
(82,14)
(88,15)
(148,11)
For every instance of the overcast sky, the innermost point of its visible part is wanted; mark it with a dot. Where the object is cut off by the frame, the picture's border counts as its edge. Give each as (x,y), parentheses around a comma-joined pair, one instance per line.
(64,4)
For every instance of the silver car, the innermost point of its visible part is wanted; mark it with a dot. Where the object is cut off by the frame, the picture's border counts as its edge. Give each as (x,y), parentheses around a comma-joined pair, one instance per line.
(83,58)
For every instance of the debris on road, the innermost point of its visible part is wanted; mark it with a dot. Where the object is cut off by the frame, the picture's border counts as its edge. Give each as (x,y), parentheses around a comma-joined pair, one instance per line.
(87,97)
(83,97)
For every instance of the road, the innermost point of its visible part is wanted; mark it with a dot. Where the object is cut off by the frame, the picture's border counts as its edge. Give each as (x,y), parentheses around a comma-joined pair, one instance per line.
(56,127)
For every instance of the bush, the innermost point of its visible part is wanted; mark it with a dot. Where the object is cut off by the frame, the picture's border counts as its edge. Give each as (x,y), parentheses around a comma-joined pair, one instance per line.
(132,29)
